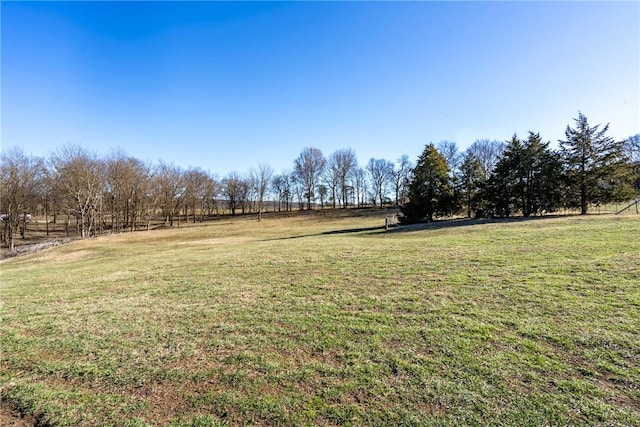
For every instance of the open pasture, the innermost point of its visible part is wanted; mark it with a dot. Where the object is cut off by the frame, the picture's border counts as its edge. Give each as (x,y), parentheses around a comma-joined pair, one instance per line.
(326,319)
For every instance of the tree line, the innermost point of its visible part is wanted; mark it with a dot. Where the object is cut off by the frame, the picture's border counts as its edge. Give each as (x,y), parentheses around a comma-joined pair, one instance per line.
(91,195)
(116,193)
(525,176)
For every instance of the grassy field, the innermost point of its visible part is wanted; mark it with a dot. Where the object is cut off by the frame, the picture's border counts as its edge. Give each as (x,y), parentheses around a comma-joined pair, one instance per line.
(326,319)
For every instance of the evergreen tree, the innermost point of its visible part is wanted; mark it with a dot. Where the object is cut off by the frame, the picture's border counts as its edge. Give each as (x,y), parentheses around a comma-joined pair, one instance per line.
(430,192)
(596,169)
(505,182)
(527,178)
(542,170)
(472,178)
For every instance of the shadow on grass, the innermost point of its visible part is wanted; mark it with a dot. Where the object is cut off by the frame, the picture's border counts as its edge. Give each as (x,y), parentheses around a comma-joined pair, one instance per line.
(435,225)
(465,222)
(371,230)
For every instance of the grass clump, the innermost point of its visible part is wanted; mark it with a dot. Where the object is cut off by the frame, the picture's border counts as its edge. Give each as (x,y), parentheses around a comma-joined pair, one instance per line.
(319,319)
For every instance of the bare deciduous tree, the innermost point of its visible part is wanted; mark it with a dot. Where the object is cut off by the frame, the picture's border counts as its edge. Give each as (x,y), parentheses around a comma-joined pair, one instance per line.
(281,186)
(169,189)
(343,164)
(126,178)
(20,177)
(451,154)
(487,152)
(261,178)
(323,191)
(401,179)
(46,196)
(359,183)
(246,195)
(381,172)
(210,196)
(82,177)
(196,186)
(331,178)
(632,151)
(231,189)
(307,169)
(139,190)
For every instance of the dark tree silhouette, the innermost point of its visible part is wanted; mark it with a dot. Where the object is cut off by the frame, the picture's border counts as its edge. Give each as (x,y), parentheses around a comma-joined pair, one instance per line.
(430,192)
(596,169)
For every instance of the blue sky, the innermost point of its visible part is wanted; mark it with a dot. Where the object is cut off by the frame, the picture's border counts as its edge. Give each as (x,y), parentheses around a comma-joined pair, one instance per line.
(226,86)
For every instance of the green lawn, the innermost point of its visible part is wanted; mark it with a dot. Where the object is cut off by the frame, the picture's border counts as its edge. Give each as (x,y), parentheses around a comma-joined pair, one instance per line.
(324,319)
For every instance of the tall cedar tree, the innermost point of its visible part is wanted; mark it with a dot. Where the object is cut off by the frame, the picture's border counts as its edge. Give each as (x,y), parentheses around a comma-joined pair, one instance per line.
(472,178)
(430,192)
(542,177)
(596,169)
(499,193)
(527,178)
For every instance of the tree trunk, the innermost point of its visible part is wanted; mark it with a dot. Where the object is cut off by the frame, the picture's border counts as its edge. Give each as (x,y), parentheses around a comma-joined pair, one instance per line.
(23,229)
(11,242)
(5,233)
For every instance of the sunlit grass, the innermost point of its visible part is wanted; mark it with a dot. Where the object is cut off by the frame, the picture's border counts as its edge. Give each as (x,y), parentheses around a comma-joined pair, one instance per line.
(327,319)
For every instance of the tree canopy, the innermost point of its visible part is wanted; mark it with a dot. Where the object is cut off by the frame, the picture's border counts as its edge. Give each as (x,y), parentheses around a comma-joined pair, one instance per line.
(596,169)
(431,191)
